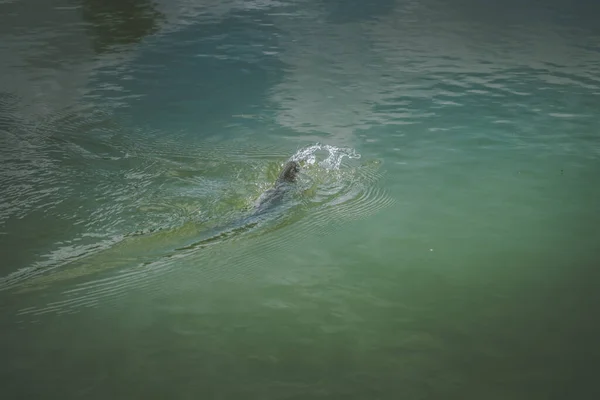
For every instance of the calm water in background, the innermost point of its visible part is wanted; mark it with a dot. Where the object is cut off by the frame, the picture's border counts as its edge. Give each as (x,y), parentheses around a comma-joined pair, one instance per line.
(452,254)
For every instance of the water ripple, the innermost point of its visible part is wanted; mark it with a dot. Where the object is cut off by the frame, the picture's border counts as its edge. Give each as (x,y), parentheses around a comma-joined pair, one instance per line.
(334,187)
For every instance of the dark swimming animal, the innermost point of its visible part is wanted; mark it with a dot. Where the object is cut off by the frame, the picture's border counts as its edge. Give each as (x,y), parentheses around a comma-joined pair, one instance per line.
(266,203)
(284,182)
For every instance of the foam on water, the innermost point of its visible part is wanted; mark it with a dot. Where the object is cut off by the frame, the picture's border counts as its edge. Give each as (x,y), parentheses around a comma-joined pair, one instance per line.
(331,162)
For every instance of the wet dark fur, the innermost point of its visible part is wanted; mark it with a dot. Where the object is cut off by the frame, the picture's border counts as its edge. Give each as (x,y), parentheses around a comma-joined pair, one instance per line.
(289,172)
(270,197)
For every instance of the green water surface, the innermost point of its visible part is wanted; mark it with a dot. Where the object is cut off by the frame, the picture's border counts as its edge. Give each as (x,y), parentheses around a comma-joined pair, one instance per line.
(444,246)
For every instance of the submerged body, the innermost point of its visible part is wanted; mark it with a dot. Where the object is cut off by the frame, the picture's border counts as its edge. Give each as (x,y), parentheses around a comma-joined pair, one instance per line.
(265,203)
(284,182)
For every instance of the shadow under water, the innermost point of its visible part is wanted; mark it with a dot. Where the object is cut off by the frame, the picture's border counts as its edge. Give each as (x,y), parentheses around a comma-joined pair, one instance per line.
(120,22)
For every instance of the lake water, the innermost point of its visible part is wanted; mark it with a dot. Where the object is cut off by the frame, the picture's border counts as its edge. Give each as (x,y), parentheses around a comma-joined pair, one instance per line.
(441,241)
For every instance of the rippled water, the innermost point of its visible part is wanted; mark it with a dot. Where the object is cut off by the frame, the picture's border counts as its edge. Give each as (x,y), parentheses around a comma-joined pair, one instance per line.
(441,240)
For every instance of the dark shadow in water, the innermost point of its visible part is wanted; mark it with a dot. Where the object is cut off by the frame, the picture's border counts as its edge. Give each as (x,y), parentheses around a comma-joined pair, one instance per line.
(209,72)
(120,22)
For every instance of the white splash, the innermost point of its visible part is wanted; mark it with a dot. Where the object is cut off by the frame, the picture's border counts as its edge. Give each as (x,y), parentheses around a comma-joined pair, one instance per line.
(331,162)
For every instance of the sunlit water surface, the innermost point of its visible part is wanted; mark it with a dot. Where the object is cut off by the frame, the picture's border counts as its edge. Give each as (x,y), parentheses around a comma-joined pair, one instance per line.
(441,241)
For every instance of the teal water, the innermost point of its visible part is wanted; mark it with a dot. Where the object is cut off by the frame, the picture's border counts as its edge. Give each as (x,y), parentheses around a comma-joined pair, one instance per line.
(442,240)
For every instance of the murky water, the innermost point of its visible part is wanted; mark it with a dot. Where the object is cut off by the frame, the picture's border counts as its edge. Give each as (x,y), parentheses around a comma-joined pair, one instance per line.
(441,240)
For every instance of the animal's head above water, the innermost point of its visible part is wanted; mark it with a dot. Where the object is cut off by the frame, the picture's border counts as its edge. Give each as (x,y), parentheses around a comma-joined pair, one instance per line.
(289,172)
